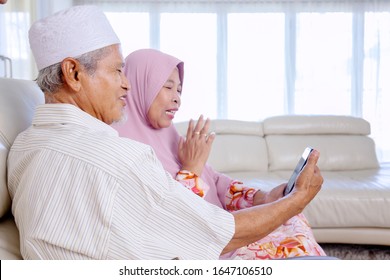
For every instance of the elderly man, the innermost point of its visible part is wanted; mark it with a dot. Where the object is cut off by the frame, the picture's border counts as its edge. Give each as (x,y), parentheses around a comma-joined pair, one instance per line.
(81,192)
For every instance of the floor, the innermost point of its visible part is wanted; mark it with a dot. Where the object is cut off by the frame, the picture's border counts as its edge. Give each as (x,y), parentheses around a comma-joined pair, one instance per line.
(357,252)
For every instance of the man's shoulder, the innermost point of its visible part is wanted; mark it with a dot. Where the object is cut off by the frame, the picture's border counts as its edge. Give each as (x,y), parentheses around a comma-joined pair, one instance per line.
(112,148)
(90,146)
(126,145)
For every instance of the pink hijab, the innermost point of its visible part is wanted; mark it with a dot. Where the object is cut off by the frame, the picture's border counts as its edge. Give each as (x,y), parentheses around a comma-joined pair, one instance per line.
(147,70)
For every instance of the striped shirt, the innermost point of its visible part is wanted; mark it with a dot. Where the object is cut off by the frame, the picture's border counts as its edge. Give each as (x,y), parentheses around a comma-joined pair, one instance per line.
(81,192)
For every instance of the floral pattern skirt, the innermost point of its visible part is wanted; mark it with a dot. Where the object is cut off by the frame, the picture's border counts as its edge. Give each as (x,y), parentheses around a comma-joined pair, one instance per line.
(292,239)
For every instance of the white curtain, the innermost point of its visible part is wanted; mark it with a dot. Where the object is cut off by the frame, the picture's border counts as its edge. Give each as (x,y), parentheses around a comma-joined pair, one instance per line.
(251,59)
(15,20)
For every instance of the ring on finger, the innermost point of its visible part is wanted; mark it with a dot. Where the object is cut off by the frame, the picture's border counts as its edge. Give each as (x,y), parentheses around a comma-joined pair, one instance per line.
(197,132)
(204,134)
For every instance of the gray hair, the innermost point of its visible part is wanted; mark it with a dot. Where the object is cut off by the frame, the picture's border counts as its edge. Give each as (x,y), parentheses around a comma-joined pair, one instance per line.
(50,78)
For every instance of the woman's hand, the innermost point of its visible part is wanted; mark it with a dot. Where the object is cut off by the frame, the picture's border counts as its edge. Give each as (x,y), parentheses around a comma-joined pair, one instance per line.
(194,150)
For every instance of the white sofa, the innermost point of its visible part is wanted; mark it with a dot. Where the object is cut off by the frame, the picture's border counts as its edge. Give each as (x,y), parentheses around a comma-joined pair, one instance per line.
(352,207)
(18,99)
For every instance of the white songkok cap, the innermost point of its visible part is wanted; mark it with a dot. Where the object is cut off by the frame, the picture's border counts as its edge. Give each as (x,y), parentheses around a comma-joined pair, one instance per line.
(70,33)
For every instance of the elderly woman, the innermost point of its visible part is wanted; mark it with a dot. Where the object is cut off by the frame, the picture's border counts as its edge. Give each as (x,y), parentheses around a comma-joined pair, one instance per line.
(156,82)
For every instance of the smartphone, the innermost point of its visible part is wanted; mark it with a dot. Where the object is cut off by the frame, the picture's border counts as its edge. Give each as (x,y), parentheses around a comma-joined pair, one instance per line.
(301,163)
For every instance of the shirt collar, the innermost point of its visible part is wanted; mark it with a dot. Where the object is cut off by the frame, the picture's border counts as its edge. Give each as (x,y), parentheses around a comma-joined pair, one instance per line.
(51,114)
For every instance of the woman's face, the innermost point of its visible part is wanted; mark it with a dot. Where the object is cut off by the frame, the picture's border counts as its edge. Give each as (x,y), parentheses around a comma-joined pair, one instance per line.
(167,102)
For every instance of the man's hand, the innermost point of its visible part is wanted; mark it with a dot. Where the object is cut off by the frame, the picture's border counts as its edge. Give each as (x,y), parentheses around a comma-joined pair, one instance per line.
(309,180)
(262,197)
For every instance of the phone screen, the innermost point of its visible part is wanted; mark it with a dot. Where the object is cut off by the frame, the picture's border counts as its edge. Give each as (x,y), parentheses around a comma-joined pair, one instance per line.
(301,163)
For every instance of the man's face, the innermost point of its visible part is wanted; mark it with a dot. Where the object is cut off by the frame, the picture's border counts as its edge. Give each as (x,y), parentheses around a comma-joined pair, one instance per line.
(106,89)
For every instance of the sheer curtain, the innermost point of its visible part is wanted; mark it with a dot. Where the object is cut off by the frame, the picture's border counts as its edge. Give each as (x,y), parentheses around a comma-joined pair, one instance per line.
(15,20)
(250,60)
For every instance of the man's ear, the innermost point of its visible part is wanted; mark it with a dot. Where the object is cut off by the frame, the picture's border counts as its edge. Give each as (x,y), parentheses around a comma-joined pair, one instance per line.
(70,70)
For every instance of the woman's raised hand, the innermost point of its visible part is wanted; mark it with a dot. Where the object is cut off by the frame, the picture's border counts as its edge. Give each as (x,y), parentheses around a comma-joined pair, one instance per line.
(194,150)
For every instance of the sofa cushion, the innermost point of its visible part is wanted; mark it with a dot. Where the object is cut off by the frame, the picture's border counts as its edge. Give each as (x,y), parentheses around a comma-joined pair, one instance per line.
(337,152)
(352,199)
(239,145)
(343,141)
(316,124)
(18,99)
(233,153)
(227,127)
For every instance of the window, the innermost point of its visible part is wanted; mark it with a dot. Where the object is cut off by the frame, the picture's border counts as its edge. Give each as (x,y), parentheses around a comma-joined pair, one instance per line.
(376,91)
(193,41)
(253,59)
(323,63)
(14,43)
(132,29)
(256,65)
(251,62)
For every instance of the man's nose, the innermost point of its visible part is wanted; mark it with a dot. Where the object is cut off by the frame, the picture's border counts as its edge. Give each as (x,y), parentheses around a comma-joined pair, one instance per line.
(125,83)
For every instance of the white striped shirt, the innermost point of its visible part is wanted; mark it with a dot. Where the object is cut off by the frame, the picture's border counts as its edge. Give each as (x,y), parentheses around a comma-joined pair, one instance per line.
(81,192)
